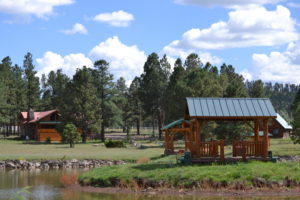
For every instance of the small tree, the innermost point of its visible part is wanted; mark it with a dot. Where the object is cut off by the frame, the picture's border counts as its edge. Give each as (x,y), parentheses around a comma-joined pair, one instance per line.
(71,134)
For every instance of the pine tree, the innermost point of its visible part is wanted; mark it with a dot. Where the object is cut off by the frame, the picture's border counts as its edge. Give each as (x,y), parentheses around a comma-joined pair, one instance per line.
(121,101)
(256,89)
(193,61)
(153,86)
(296,125)
(175,95)
(81,104)
(135,103)
(32,83)
(104,85)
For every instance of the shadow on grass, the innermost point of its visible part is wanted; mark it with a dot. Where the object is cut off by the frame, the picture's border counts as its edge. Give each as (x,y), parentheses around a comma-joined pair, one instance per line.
(153,166)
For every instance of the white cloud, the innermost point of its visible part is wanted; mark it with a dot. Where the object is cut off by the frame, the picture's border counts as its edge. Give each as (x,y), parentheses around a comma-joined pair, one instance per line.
(227,3)
(247,75)
(125,61)
(245,28)
(69,63)
(77,28)
(117,18)
(182,54)
(280,67)
(39,8)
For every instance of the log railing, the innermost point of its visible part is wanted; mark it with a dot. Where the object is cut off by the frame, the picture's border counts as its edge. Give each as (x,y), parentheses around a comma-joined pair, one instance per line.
(248,148)
(211,149)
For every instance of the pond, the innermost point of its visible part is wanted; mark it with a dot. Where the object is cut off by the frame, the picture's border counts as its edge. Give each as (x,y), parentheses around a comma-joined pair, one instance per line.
(47,185)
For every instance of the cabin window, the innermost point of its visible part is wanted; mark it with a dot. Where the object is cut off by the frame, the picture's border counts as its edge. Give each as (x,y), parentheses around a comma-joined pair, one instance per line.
(275,131)
(54,117)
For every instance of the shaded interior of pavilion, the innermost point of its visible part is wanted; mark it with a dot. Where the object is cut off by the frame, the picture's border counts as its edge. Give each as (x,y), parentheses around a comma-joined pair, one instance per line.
(254,112)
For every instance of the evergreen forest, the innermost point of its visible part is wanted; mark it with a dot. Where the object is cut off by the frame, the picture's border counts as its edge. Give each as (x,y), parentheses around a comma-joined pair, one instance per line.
(94,100)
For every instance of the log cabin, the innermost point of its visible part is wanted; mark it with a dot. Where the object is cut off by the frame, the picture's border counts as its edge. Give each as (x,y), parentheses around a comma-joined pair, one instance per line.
(40,126)
(279,127)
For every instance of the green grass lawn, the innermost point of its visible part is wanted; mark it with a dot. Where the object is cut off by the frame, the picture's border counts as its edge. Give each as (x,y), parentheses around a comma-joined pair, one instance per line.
(13,149)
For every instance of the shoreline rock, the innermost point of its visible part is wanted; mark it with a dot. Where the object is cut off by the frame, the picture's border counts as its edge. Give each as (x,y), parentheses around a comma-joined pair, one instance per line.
(56,164)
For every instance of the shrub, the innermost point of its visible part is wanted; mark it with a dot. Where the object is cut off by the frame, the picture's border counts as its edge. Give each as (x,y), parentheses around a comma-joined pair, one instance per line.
(115,144)
(71,134)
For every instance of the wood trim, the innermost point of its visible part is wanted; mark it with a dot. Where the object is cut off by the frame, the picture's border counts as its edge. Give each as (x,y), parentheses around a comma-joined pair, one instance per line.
(248,118)
(178,130)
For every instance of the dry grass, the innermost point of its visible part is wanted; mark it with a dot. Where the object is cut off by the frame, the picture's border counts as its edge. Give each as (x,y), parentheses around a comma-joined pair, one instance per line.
(69,179)
(11,149)
(18,150)
(143,160)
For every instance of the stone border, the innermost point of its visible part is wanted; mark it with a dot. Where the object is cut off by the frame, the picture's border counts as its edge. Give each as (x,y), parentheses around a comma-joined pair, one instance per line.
(56,164)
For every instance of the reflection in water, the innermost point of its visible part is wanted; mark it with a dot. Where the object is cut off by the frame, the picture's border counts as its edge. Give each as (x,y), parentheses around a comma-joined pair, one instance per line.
(46,185)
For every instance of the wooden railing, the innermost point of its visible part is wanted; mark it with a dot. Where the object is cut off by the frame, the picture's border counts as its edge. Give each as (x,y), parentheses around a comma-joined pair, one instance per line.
(248,148)
(211,149)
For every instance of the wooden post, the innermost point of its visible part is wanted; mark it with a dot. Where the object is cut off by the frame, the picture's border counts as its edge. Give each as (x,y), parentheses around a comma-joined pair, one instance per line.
(265,138)
(198,136)
(166,141)
(172,142)
(244,151)
(256,136)
(256,130)
(222,157)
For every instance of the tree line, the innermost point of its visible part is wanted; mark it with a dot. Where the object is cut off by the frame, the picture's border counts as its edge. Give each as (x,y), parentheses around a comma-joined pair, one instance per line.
(93,100)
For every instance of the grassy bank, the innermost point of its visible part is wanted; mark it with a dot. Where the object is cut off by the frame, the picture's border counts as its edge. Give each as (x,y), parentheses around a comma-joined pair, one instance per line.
(173,175)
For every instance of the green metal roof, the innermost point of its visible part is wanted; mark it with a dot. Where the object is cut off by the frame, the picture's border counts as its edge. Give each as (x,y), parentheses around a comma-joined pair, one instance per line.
(172,124)
(230,107)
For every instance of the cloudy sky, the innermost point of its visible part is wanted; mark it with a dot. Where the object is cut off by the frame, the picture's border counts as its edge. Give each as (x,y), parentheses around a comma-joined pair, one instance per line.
(260,38)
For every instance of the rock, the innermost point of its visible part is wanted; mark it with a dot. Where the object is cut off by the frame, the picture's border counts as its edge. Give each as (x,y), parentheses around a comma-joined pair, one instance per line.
(56,164)
(37,164)
(84,164)
(10,165)
(45,166)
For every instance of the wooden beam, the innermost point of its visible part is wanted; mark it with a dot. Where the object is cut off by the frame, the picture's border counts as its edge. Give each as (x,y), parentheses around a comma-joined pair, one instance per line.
(265,138)
(256,130)
(240,118)
(179,130)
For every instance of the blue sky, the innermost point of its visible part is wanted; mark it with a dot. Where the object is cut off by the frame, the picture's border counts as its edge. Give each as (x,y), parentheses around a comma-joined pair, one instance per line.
(260,38)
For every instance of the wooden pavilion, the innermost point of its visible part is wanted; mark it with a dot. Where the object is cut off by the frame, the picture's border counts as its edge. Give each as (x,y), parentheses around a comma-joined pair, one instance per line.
(255,112)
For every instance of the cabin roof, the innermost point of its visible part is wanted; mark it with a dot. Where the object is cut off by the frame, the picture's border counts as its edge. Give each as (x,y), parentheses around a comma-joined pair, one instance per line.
(231,108)
(172,124)
(282,122)
(37,115)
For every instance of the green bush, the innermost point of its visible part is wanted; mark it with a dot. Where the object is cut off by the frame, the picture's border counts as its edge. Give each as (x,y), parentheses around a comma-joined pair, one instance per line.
(115,144)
